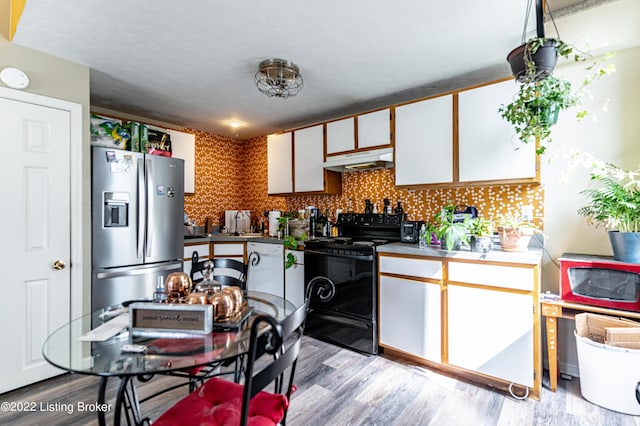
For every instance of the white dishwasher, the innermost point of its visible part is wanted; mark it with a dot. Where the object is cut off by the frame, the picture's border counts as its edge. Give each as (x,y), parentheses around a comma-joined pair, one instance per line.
(266,268)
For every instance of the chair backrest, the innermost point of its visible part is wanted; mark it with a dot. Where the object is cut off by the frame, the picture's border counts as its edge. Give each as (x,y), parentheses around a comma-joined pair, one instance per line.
(282,340)
(196,267)
(239,277)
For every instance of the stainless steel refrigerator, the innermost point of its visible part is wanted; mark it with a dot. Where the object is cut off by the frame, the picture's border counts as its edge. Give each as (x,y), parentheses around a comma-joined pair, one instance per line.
(137,229)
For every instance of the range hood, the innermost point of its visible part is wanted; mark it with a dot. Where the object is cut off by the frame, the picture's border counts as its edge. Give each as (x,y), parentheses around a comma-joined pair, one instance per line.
(364,160)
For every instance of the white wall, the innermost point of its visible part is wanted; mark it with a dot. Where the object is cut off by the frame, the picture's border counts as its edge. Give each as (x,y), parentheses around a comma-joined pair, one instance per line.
(612,135)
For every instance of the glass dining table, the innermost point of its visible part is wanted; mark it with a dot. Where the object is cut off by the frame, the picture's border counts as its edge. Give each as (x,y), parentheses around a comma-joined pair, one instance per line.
(69,348)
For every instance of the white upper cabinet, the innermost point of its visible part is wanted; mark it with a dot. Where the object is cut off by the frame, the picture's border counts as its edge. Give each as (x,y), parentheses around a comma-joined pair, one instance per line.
(183,146)
(486,147)
(341,136)
(279,164)
(374,129)
(308,152)
(424,142)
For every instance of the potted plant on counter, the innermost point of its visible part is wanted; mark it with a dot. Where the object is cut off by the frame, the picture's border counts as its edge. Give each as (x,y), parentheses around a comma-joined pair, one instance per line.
(480,230)
(515,232)
(616,207)
(452,235)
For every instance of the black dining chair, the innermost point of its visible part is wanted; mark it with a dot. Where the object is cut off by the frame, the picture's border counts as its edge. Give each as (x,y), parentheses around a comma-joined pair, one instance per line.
(220,401)
(238,276)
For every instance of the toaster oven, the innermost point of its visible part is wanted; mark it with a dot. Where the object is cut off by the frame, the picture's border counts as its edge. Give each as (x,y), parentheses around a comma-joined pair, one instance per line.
(410,231)
(600,281)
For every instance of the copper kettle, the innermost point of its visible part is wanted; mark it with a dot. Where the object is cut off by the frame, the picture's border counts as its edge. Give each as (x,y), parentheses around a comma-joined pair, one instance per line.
(223,306)
(236,294)
(177,285)
(200,297)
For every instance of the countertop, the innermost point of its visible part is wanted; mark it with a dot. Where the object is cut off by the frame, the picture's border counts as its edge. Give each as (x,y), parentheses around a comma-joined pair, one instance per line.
(532,256)
(221,237)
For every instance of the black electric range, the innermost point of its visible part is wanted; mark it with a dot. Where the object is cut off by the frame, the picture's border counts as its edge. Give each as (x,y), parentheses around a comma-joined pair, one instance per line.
(348,263)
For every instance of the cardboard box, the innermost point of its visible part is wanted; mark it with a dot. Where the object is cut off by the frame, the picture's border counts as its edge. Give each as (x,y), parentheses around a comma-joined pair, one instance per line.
(595,327)
(158,141)
(109,132)
(624,337)
(134,132)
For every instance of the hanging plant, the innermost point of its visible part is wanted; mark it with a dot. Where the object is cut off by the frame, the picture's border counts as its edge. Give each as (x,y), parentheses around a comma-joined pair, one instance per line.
(541,95)
(536,107)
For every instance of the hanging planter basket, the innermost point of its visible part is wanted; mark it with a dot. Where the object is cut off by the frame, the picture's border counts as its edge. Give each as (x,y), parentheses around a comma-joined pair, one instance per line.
(533,61)
(548,114)
(544,59)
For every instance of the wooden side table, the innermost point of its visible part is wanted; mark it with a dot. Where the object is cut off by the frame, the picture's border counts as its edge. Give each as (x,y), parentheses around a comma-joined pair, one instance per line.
(552,310)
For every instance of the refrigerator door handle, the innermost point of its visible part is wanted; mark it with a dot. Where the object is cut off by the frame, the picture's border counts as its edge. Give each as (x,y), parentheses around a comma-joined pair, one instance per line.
(150,205)
(133,271)
(142,210)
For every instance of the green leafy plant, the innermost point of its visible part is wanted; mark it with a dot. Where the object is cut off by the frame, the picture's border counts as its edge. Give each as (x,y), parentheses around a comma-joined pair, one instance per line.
(515,232)
(615,205)
(536,107)
(516,222)
(540,99)
(449,232)
(479,227)
(292,244)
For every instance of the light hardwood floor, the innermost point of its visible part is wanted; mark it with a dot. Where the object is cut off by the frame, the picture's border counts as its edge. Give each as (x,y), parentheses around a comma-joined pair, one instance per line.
(340,387)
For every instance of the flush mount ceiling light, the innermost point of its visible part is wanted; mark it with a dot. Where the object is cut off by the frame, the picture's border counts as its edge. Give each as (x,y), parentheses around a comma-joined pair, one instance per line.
(279,78)
(234,123)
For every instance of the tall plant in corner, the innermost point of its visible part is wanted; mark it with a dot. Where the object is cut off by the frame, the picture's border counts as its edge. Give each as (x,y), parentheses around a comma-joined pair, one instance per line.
(615,205)
(541,95)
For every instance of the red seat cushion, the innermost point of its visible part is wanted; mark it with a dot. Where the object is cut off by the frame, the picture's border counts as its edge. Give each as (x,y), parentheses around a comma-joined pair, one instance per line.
(201,347)
(219,402)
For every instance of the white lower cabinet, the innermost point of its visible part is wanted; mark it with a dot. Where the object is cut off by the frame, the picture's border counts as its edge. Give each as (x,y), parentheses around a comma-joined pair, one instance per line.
(491,332)
(294,279)
(476,316)
(266,268)
(410,317)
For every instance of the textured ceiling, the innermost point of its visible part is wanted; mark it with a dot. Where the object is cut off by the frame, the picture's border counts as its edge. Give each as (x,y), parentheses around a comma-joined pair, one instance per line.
(192,63)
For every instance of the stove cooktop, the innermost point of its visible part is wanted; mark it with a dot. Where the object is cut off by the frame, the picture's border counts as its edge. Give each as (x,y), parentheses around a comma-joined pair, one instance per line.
(360,232)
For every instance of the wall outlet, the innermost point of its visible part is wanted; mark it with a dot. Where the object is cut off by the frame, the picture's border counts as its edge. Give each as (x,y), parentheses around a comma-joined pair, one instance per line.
(527,212)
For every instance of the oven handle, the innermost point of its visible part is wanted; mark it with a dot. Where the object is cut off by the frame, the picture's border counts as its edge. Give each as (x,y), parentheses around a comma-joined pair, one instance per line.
(348,256)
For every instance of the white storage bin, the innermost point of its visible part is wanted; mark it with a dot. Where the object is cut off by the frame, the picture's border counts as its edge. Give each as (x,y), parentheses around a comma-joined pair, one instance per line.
(609,375)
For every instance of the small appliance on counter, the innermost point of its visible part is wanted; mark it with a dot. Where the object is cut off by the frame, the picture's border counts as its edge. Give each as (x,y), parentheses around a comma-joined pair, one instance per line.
(410,231)
(463,212)
(600,281)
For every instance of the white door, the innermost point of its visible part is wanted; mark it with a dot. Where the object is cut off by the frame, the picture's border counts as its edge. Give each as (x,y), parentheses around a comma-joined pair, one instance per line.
(35,229)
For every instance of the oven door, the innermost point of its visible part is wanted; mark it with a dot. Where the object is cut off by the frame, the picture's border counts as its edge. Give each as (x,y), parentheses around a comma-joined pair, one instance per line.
(349,317)
(354,279)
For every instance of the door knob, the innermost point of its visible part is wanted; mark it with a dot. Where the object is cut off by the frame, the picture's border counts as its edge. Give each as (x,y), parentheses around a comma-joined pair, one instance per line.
(58,265)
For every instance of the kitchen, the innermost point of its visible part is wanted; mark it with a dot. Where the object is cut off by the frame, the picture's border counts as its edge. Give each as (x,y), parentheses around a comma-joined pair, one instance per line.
(237,169)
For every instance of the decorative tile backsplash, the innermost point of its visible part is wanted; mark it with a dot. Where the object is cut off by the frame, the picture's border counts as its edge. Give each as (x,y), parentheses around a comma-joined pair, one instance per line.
(376,185)
(232,174)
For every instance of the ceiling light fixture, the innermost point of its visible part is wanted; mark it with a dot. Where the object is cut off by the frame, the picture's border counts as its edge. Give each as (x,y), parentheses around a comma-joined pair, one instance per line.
(278,78)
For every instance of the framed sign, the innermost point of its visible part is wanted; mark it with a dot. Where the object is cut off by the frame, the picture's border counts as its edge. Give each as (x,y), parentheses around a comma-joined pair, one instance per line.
(154,318)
